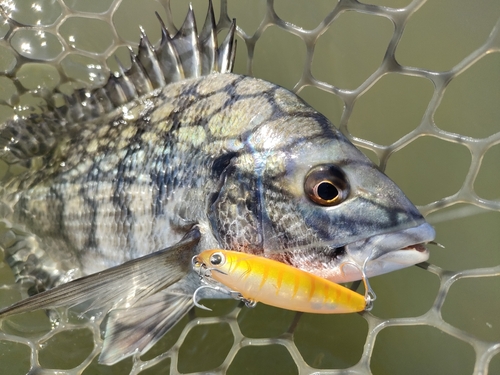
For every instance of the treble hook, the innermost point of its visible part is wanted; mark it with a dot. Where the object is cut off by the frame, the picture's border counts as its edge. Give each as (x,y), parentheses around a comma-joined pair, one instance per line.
(233,294)
(198,267)
(194,262)
(195,299)
(370,295)
(202,270)
(205,277)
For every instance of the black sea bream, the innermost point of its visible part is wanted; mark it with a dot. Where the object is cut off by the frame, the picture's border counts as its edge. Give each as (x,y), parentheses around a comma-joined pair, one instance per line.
(178,155)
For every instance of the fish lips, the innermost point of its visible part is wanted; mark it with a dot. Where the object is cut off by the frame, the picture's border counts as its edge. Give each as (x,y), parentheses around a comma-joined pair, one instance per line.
(387,252)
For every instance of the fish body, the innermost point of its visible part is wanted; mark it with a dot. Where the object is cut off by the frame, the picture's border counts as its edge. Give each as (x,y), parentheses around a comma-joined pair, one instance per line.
(264,280)
(179,148)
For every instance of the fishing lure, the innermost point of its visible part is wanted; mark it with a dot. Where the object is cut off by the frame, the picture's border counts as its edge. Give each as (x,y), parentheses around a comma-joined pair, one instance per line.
(255,279)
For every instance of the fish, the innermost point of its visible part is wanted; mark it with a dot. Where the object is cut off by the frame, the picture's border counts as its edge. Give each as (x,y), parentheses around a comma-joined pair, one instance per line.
(123,184)
(258,279)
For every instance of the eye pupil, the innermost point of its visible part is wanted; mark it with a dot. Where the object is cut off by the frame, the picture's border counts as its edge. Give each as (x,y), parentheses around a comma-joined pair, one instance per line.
(216,259)
(327,191)
(326,185)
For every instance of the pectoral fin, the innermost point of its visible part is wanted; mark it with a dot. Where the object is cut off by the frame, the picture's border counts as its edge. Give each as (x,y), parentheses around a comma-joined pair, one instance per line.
(138,328)
(122,285)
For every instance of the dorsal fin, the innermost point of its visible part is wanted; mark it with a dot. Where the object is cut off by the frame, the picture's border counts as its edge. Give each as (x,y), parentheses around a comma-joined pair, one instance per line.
(187,54)
(180,55)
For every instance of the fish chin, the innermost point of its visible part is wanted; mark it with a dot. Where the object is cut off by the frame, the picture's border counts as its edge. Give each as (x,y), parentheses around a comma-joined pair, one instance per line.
(384,253)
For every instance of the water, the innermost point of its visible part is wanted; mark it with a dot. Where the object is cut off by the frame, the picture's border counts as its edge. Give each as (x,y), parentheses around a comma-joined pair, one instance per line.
(438,36)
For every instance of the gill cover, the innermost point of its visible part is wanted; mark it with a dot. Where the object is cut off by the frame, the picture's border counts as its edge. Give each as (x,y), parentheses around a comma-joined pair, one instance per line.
(297,183)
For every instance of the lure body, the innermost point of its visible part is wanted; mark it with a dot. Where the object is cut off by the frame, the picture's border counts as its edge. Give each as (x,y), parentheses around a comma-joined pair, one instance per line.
(277,284)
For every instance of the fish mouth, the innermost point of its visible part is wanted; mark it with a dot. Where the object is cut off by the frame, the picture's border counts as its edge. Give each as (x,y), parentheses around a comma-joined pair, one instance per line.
(384,253)
(418,247)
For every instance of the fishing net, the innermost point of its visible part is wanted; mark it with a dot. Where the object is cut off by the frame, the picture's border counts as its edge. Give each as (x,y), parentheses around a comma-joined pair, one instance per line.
(414,84)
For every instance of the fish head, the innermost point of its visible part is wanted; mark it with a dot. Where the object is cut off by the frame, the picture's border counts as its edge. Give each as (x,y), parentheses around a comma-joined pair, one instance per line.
(300,192)
(361,221)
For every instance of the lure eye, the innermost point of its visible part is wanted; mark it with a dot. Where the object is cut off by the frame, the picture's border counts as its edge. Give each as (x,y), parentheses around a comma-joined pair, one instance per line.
(326,185)
(217,259)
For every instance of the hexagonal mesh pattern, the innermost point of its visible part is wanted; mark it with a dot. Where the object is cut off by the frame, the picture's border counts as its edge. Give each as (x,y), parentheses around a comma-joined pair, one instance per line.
(415,84)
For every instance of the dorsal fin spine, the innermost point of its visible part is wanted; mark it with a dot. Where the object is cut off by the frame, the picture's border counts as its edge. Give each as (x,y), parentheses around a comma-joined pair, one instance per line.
(114,92)
(104,99)
(138,76)
(187,46)
(208,40)
(184,55)
(147,58)
(167,56)
(227,51)
(123,81)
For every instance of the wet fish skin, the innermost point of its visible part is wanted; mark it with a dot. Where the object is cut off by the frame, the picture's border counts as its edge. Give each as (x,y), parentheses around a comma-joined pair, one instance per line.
(222,154)
(127,174)
(126,189)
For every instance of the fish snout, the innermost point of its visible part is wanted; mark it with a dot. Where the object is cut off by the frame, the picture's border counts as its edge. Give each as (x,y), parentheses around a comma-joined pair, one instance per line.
(387,252)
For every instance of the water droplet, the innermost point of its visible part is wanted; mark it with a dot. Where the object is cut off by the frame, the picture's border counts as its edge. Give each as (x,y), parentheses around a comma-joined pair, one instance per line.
(36,44)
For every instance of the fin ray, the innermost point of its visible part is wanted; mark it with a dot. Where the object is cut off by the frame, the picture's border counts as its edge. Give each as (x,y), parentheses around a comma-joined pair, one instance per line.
(227,51)
(187,46)
(183,55)
(208,38)
(187,54)
(147,58)
(123,284)
(138,328)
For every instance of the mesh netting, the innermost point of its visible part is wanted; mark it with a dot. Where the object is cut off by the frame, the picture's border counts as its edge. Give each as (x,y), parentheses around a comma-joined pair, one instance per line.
(415,84)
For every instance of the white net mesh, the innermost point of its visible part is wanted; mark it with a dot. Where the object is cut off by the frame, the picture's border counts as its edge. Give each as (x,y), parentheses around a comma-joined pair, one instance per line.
(416,84)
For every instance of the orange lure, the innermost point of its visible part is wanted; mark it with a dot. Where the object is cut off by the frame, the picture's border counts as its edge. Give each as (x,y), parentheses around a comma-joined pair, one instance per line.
(259,279)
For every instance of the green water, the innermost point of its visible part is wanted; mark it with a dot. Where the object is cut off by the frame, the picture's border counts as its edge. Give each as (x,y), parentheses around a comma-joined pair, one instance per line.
(437,37)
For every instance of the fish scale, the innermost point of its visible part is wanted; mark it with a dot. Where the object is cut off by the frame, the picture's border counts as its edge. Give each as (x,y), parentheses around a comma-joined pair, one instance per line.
(113,171)
(126,183)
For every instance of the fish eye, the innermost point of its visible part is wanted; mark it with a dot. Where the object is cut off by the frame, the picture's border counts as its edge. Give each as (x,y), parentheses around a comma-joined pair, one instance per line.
(326,185)
(217,259)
